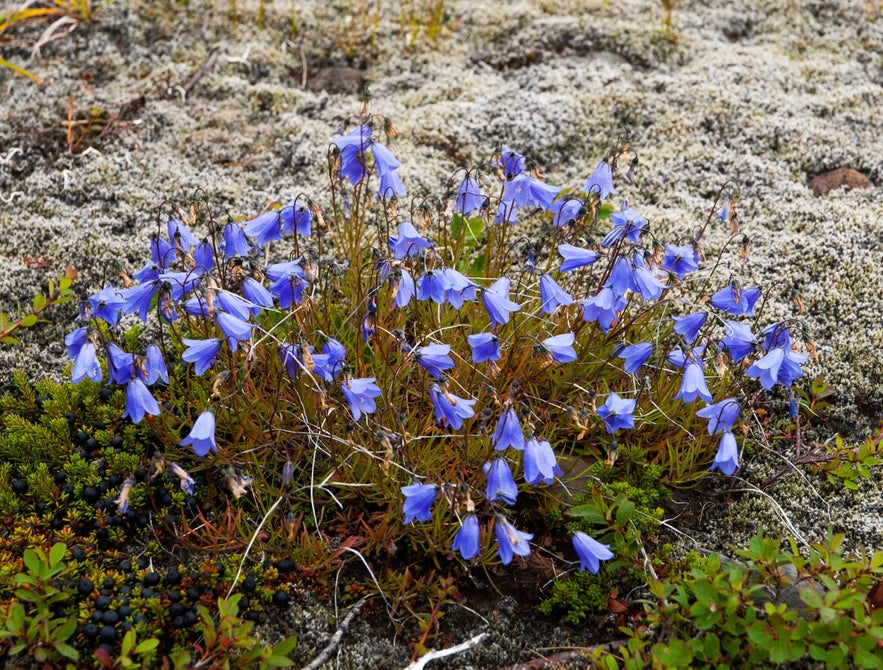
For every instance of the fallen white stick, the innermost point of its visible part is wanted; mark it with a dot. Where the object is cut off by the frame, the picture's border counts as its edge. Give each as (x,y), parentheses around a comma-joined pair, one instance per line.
(432,654)
(335,639)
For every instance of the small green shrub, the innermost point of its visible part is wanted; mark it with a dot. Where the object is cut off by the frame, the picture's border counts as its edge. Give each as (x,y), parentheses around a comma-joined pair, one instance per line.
(772,605)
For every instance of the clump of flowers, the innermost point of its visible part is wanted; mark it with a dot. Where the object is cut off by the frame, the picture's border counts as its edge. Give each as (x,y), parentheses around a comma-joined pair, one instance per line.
(418,362)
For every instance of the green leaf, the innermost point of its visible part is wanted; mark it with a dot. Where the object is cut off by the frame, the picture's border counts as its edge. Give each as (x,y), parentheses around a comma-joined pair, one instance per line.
(779,653)
(29,321)
(865,659)
(604,211)
(16,615)
(817,653)
(39,302)
(811,597)
(674,655)
(57,553)
(65,629)
(625,512)
(705,591)
(32,561)
(67,651)
(278,662)
(589,512)
(128,642)
(285,647)
(147,646)
(28,596)
(9,340)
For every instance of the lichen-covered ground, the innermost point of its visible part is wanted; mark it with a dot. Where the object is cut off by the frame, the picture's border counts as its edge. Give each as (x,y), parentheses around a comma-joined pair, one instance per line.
(763,94)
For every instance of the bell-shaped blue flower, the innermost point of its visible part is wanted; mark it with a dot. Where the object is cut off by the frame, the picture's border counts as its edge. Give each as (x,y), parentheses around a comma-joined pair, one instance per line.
(295,218)
(391,185)
(622,277)
(552,296)
(512,163)
(496,302)
(485,347)
(432,285)
(693,384)
(575,257)
(617,413)
(178,284)
(139,297)
(161,253)
(467,539)
(202,436)
(509,432)
(590,552)
(408,242)
(635,355)
(688,326)
(403,288)
(180,235)
(727,458)
(679,260)
(257,294)
(627,225)
(155,366)
(540,464)
(434,358)
(525,191)
(560,347)
(603,308)
(75,340)
(235,242)
(233,304)
(264,228)
(203,258)
(418,501)
(566,211)
(510,540)
(201,352)
(500,483)
(738,339)
(86,365)
(469,197)
(352,148)
(679,358)
(649,285)
(776,336)
(721,415)
(139,401)
(449,409)
(384,161)
(234,329)
(601,181)
(736,300)
(120,364)
(459,288)
(767,368)
(360,395)
(107,304)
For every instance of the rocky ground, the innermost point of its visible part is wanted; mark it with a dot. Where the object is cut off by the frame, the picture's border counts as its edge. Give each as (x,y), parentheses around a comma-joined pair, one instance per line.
(156,101)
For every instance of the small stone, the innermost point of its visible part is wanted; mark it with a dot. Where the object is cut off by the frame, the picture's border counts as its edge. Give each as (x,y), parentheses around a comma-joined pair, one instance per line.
(346,80)
(831,180)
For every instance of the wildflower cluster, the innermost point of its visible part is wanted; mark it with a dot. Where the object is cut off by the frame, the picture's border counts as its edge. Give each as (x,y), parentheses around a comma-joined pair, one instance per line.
(428,360)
